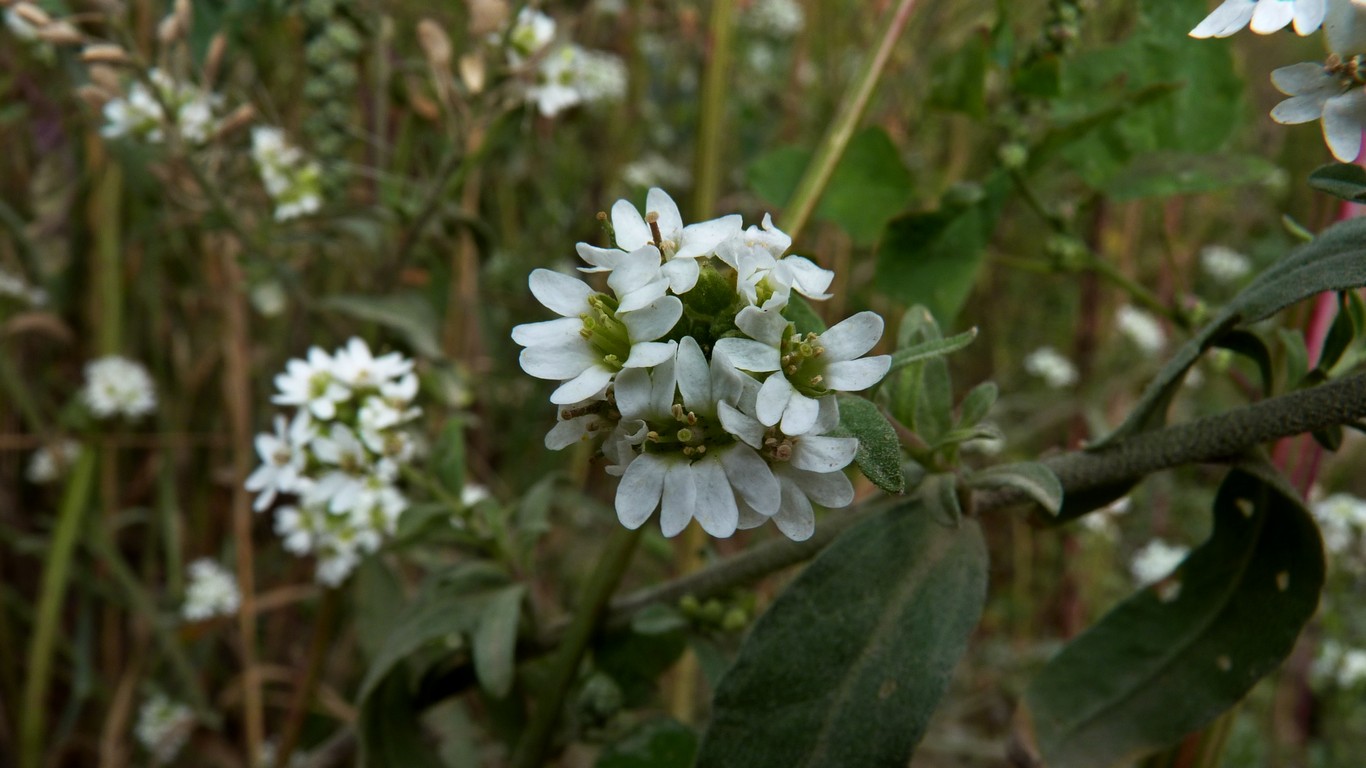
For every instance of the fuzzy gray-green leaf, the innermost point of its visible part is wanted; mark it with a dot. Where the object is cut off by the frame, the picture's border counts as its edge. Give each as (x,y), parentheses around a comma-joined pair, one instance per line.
(1030,477)
(879,451)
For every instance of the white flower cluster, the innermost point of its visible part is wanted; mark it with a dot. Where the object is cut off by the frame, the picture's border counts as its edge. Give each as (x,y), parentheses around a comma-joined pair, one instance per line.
(1155,560)
(776,18)
(1050,365)
(117,386)
(212,591)
(567,74)
(341,455)
(50,462)
(143,114)
(292,181)
(655,170)
(1344,667)
(1342,521)
(16,287)
(1224,264)
(1141,328)
(704,397)
(163,727)
(1331,91)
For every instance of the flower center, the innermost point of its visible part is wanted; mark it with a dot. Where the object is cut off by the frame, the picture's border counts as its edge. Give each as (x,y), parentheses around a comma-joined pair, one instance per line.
(777,446)
(604,332)
(282,456)
(318,383)
(802,364)
(686,433)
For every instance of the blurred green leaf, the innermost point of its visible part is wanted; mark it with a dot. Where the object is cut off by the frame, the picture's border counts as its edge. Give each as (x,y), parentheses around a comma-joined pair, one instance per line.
(636,661)
(448,456)
(1335,261)
(391,731)
(879,451)
(958,80)
(799,311)
(494,641)
(977,404)
(870,185)
(1166,174)
(658,743)
(1346,327)
(408,314)
(1031,477)
(848,664)
(932,258)
(378,596)
(1251,346)
(1342,180)
(1173,657)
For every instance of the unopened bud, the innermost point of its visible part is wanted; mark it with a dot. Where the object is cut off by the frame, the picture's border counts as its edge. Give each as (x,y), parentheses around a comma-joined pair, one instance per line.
(472,72)
(214,59)
(94,96)
(104,53)
(169,30)
(32,14)
(436,45)
(236,120)
(106,77)
(60,33)
(486,16)
(184,15)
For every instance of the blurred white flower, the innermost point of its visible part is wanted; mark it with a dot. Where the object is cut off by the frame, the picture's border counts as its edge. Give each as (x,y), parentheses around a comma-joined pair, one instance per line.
(51,461)
(117,386)
(1341,518)
(284,457)
(473,493)
(312,384)
(1342,666)
(16,287)
(1141,328)
(1224,264)
(655,170)
(571,75)
(1263,16)
(531,32)
(291,180)
(1050,365)
(1155,560)
(143,114)
(777,18)
(163,727)
(1329,93)
(212,591)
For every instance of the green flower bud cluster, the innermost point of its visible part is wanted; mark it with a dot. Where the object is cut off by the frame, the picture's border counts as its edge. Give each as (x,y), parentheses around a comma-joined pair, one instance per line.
(730,616)
(331,53)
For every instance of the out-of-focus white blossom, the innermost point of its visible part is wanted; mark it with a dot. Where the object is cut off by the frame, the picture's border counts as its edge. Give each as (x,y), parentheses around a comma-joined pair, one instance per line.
(472,494)
(1224,264)
(16,287)
(570,75)
(117,386)
(212,591)
(1050,365)
(292,181)
(1141,328)
(1342,520)
(340,456)
(51,461)
(656,170)
(531,33)
(1155,560)
(143,114)
(163,727)
(1340,665)
(777,18)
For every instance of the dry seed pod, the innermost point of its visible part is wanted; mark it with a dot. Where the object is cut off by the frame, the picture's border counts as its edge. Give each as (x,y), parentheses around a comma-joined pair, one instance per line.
(60,33)
(472,72)
(214,59)
(487,16)
(106,78)
(238,119)
(104,53)
(32,14)
(435,44)
(184,15)
(168,31)
(94,96)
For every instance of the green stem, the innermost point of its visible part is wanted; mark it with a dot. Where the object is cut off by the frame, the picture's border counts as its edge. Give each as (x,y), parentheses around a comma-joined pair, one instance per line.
(713,109)
(42,647)
(832,146)
(535,742)
(17,390)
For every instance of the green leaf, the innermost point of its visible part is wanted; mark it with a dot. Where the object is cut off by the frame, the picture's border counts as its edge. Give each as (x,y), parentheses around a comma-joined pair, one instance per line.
(933,258)
(1335,261)
(869,186)
(1343,180)
(958,80)
(847,666)
(378,596)
(1251,346)
(495,639)
(977,404)
(799,311)
(1345,328)
(1153,670)
(939,494)
(879,451)
(931,348)
(391,729)
(1166,174)
(407,313)
(448,456)
(1031,477)
(658,743)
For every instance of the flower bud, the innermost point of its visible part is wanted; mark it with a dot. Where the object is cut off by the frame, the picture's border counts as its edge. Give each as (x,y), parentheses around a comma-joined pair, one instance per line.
(436,45)
(32,14)
(486,16)
(104,53)
(60,33)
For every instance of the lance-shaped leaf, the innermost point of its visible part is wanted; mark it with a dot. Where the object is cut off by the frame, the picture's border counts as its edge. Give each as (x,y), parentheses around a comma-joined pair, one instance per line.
(879,452)
(1034,479)
(1344,180)
(850,661)
(1336,261)
(1171,658)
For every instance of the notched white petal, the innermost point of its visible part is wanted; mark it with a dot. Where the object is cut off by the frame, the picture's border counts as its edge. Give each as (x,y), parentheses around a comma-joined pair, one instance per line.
(639,491)
(561,294)
(590,383)
(856,375)
(819,453)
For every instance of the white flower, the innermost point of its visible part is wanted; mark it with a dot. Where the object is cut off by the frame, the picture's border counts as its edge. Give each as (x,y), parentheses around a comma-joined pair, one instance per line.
(340,488)
(355,367)
(661,229)
(1141,328)
(1344,667)
(1224,264)
(1325,92)
(16,287)
(805,368)
(654,170)
(163,727)
(51,461)
(571,75)
(690,466)
(779,18)
(293,182)
(1156,560)
(299,527)
(766,278)
(595,338)
(1344,27)
(1264,16)
(212,591)
(141,114)
(1050,365)
(116,386)
(531,32)
(473,493)
(311,384)
(283,460)
(1341,517)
